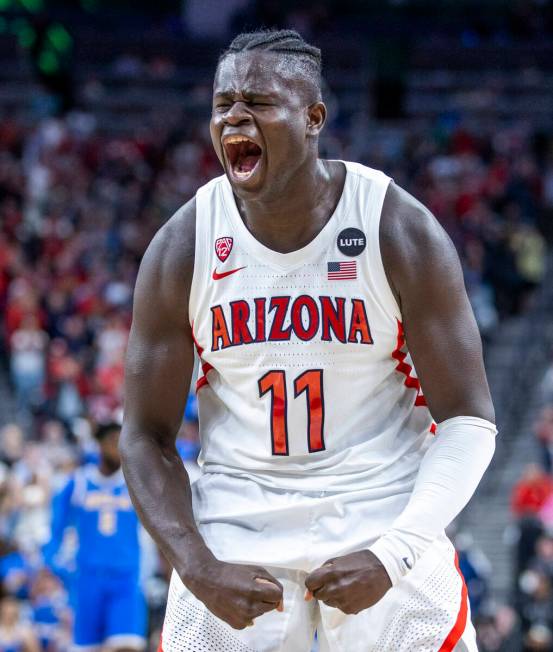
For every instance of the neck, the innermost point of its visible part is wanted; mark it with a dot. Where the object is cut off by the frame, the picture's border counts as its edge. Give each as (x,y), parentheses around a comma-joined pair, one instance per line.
(107,469)
(291,219)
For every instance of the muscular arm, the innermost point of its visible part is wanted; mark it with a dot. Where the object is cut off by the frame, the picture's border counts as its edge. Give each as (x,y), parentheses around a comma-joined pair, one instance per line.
(158,369)
(157,379)
(425,275)
(62,514)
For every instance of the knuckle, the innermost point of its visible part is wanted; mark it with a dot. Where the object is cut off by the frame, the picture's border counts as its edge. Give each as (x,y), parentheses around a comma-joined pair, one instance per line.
(240,623)
(261,589)
(255,613)
(234,623)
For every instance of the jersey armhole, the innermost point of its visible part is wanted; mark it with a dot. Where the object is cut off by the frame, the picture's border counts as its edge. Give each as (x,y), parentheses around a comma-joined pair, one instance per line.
(199,270)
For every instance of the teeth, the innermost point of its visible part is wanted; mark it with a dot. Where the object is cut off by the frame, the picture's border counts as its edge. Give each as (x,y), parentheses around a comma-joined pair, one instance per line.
(237,139)
(243,175)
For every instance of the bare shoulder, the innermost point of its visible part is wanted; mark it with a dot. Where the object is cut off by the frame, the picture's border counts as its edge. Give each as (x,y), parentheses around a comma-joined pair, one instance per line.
(171,251)
(411,238)
(166,270)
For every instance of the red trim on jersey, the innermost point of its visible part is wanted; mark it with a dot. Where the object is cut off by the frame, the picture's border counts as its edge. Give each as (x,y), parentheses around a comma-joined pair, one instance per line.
(458,628)
(405,368)
(159,647)
(202,380)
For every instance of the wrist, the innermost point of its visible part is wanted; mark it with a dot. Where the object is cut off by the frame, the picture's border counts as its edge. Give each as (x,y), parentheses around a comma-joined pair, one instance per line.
(197,566)
(388,555)
(193,560)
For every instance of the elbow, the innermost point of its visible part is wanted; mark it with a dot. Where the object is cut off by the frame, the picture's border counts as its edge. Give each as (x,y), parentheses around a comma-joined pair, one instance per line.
(138,443)
(488,412)
(477,406)
(124,444)
(483,405)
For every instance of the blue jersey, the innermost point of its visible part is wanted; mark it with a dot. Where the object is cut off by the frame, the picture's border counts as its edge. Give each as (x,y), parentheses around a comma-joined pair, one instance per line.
(15,574)
(100,509)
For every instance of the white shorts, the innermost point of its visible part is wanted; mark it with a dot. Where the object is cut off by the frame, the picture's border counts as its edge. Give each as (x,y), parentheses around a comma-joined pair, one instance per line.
(427,611)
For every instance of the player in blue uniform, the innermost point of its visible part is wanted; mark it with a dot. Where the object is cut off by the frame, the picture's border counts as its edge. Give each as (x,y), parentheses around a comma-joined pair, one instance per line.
(109,604)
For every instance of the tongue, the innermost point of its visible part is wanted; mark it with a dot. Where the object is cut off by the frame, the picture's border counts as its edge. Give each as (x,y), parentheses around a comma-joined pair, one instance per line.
(247,163)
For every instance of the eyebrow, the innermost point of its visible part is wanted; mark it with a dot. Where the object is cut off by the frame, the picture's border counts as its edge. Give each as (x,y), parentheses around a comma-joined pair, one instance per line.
(249,92)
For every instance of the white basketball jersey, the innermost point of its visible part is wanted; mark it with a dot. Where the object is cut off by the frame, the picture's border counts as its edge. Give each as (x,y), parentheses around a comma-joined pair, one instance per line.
(306,382)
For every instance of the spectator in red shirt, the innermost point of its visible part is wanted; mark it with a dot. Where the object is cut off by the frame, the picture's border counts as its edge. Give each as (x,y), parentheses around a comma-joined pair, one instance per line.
(531,491)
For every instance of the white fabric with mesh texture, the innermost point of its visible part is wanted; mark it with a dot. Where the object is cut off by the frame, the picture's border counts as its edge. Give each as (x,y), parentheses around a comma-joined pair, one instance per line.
(421,622)
(190,627)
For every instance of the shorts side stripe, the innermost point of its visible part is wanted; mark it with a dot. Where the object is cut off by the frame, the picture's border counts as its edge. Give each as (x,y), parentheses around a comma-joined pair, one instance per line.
(461,622)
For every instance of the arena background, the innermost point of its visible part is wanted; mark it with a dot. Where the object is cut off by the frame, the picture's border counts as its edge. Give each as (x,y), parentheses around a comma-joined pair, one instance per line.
(104,108)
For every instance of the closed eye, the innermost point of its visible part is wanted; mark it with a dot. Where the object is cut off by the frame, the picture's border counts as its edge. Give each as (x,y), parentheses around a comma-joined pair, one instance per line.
(224,106)
(260,101)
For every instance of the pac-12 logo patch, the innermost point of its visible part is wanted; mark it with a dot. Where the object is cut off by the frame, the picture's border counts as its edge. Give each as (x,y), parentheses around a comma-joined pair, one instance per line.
(351,242)
(223,247)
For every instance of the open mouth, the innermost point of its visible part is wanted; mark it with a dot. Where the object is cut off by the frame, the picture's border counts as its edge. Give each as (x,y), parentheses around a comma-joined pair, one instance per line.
(242,154)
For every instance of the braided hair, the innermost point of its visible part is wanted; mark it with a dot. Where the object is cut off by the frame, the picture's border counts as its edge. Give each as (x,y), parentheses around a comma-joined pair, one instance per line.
(287,42)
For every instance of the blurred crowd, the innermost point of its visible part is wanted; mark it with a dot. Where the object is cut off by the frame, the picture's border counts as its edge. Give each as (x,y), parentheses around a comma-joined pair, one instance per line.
(492,191)
(77,210)
(36,594)
(532,508)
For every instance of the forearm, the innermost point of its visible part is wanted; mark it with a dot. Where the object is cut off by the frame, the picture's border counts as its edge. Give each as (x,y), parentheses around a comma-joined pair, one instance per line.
(160,491)
(449,473)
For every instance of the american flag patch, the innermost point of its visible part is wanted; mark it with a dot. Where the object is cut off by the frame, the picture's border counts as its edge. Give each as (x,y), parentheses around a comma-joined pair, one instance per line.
(346,270)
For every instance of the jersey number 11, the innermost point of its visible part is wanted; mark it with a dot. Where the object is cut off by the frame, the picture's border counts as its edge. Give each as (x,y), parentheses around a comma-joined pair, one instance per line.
(310,382)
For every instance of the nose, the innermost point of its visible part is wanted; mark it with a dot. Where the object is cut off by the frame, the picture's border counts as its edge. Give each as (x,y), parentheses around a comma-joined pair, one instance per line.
(237,114)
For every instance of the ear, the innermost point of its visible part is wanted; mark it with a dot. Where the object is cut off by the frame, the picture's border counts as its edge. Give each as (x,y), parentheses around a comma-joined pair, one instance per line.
(316,118)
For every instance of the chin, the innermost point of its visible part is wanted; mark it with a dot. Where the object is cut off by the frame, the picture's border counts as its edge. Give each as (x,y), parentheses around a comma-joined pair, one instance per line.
(113,465)
(246,187)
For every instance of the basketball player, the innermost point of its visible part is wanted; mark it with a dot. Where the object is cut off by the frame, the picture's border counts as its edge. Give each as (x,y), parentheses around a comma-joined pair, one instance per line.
(310,289)
(110,610)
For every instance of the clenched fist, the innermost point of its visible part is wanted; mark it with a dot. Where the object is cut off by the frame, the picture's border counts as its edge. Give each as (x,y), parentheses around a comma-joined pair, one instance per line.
(236,593)
(350,583)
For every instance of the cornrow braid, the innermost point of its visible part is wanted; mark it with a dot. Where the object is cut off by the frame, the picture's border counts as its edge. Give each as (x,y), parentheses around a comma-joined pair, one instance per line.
(286,42)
